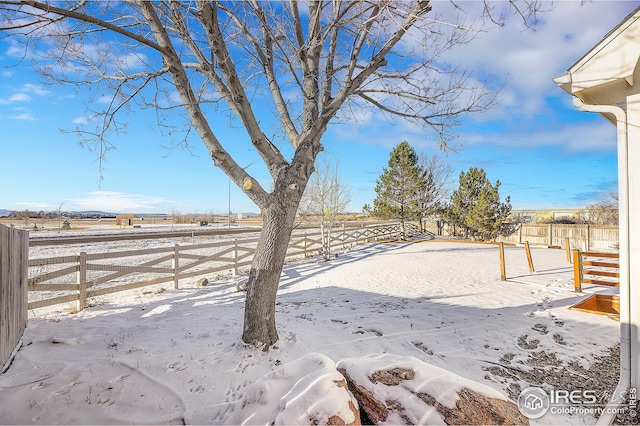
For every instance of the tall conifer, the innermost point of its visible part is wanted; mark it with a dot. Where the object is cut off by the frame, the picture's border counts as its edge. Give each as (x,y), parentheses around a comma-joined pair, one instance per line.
(399,186)
(476,205)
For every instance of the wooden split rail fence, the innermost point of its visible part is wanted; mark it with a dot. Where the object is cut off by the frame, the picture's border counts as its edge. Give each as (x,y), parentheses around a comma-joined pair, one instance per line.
(595,268)
(65,279)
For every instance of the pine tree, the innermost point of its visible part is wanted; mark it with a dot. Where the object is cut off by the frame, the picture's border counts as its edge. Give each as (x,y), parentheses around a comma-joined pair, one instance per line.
(476,205)
(400,185)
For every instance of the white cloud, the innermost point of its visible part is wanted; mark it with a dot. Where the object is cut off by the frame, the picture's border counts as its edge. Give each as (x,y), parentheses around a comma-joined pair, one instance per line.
(23,95)
(526,61)
(19,97)
(597,136)
(131,61)
(105,99)
(121,202)
(15,51)
(531,58)
(80,120)
(35,89)
(24,116)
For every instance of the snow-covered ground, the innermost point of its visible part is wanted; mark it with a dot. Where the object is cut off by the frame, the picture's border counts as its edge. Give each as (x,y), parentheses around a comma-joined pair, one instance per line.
(175,355)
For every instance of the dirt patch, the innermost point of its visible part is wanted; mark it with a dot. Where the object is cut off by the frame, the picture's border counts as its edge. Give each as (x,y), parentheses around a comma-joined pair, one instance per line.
(392,377)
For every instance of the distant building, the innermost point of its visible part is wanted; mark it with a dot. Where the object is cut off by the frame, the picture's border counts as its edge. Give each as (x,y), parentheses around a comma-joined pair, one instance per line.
(552,215)
(124,220)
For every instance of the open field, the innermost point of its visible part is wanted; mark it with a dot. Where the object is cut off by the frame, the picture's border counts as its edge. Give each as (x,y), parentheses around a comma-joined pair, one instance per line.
(38,225)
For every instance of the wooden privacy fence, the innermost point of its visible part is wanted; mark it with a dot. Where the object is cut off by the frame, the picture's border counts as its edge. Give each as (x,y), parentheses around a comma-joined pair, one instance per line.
(586,237)
(14,253)
(64,279)
(595,268)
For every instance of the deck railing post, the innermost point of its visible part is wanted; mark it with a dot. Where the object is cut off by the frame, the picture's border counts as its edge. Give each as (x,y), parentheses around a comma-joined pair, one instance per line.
(82,280)
(577,271)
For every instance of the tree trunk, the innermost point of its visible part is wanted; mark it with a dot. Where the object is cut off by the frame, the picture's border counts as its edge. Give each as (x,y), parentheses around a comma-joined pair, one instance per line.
(262,287)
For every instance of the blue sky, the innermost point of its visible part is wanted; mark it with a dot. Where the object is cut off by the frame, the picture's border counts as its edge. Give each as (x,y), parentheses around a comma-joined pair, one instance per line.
(546,153)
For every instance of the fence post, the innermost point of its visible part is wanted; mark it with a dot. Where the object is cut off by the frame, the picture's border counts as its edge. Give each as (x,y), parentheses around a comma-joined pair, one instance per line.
(588,237)
(82,280)
(304,243)
(520,234)
(529,259)
(175,263)
(503,270)
(567,248)
(235,257)
(344,247)
(550,230)
(577,271)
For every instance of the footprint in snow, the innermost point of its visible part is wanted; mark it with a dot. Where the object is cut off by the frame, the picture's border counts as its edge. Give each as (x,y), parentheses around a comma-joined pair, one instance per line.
(120,378)
(176,366)
(40,385)
(242,367)
(558,339)
(528,345)
(422,347)
(196,388)
(540,328)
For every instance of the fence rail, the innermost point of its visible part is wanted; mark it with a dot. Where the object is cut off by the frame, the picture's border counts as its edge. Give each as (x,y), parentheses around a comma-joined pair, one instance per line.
(14,253)
(77,278)
(603,269)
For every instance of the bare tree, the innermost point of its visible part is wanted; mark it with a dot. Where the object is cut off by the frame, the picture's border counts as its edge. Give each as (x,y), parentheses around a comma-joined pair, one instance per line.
(301,65)
(605,210)
(523,216)
(325,198)
(432,199)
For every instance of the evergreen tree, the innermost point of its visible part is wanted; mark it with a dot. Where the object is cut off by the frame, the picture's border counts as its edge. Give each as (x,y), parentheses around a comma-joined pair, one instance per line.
(476,205)
(399,187)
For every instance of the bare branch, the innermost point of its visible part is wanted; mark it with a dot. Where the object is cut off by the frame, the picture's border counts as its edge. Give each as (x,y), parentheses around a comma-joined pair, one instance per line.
(71,13)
